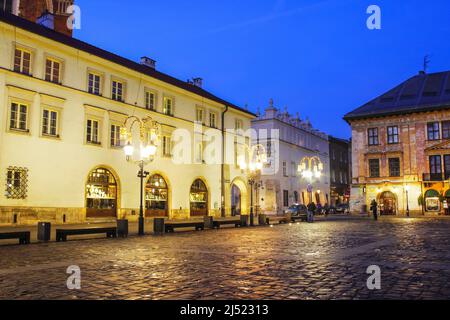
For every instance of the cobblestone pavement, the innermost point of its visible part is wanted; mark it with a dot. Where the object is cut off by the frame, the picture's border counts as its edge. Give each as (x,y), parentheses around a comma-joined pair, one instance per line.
(324,260)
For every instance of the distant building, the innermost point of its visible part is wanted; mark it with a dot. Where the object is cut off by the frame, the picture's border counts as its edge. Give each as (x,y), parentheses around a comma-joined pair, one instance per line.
(339,171)
(50,13)
(401,148)
(281,185)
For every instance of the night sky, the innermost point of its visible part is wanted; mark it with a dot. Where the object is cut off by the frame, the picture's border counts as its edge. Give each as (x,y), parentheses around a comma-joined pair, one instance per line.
(315,57)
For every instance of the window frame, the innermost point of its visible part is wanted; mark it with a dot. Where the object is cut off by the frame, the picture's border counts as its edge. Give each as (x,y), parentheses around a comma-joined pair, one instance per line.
(392,173)
(434,131)
(47,134)
(166,146)
(21,63)
(87,133)
(100,82)
(394,135)
(115,84)
(436,156)
(372,135)
(202,120)
(116,126)
(445,131)
(212,124)
(172,106)
(18,115)
(53,61)
(371,161)
(147,93)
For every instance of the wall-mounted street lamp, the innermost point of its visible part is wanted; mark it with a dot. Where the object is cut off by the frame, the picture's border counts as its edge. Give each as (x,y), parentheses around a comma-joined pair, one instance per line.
(257,158)
(149,133)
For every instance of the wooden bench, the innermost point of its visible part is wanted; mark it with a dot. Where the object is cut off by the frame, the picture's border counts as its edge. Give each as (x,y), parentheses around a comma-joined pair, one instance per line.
(61,234)
(171,226)
(24,236)
(218,223)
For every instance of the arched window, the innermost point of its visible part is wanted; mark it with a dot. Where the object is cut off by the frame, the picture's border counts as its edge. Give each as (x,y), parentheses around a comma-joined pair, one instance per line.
(199,198)
(156,197)
(101,194)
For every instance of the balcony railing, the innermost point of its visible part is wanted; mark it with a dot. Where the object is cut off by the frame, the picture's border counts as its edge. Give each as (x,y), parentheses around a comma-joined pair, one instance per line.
(436,177)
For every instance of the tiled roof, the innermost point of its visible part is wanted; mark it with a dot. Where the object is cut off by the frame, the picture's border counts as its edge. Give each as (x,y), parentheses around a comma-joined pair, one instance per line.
(83,46)
(421,93)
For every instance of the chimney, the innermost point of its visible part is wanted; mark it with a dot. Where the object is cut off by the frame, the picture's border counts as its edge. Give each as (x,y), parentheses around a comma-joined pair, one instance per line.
(198,82)
(146,61)
(47,20)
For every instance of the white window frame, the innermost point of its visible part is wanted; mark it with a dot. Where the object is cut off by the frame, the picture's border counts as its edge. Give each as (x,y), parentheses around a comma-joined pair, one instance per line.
(21,64)
(17,116)
(202,118)
(148,93)
(58,121)
(98,142)
(100,82)
(115,96)
(172,106)
(213,124)
(119,127)
(166,146)
(53,62)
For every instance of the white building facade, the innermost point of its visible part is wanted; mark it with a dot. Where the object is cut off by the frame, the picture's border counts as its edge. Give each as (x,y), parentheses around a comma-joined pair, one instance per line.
(62,106)
(291,140)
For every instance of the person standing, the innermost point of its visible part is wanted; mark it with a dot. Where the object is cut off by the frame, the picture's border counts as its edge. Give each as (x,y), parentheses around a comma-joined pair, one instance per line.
(374,209)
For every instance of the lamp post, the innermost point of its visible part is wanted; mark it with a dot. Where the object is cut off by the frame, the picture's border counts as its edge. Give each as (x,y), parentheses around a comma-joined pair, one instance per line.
(148,139)
(407,188)
(257,157)
(310,168)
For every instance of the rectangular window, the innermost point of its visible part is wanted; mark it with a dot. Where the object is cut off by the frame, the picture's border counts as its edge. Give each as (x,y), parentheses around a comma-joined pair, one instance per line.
(285,169)
(168,106)
(22,61)
(115,136)
(435,165)
(16,183)
(433,131)
(447,166)
(446,130)
(293,169)
(117,90)
(92,132)
(286,198)
(374,168)
(212,120)
(150,100)
(49,123)
(94,83)
(373,137)
(393,135)
(239,125)
(199,116)
(394,167)
(18,117)
(52,71)
(167,146)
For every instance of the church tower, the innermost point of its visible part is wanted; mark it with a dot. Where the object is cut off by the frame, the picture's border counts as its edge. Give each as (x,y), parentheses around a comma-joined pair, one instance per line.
(51,13)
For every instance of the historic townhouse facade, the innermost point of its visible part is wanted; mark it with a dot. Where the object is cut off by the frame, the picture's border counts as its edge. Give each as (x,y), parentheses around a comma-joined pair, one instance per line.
(293,139)
(62,105)
(340,168)
(401,148)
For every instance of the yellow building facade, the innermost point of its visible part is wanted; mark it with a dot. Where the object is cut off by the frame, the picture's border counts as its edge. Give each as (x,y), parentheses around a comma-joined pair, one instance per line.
(62,105)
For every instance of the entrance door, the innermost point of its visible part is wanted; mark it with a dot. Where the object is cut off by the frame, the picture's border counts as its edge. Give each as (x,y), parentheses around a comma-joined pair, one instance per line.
(388,204)
(236,200)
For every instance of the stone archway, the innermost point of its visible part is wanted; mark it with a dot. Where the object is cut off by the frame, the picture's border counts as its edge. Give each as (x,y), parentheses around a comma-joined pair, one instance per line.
(388,203)
(240,188)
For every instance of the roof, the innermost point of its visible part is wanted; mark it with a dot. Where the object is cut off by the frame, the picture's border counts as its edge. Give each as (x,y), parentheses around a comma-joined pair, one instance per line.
(83,46)
(421,93)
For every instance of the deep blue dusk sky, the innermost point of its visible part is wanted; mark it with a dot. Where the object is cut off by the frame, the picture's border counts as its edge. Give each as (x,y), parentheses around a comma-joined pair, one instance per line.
(316,57)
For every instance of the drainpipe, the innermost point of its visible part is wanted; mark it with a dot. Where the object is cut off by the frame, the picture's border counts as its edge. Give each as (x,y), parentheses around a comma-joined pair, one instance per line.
(222,191)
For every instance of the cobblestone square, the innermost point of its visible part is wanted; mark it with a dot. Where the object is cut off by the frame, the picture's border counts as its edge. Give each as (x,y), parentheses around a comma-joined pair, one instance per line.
(324,260)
